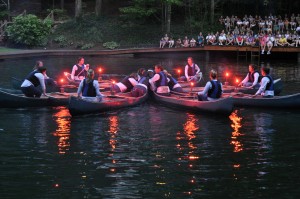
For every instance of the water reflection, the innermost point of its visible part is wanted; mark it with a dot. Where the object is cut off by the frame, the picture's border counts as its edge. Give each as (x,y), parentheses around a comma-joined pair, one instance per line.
(236,125)
(113,129)
(63,121)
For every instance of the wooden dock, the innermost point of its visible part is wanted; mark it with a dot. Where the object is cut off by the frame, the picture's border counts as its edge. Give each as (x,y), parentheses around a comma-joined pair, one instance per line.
(254,51)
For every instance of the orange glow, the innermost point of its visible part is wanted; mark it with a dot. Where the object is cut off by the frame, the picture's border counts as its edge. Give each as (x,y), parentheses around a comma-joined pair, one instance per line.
(113,81)
(62,80)
(193,157)
(178,71)
(237,80)
(236,165)
(66,73)
(112,170)
(227,74)
(236,125)
(63,120)
(192,84)
(113,129)
(100,70)
(56,185)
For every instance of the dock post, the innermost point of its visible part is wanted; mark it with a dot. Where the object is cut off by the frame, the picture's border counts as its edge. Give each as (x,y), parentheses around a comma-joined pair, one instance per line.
(298,57)
(207,55)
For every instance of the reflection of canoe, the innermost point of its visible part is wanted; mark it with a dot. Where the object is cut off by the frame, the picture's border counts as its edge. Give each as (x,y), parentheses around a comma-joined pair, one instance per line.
(12,100)
(110,102)
(228,89)
(223,105)
(16,84)
(287,101)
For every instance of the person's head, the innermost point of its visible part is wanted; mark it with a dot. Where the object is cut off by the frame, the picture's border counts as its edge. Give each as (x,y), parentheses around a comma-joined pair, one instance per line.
(213,74)
(42,70)
(150,73)
(133,75)
(141,72)
(265,71)
(252,67)
(80,60)
(38,64)
(90,74)
(190,61)
(158,68)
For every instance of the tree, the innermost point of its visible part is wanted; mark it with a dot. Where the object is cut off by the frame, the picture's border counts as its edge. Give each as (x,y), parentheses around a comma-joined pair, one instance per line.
(78,8)
(98,7)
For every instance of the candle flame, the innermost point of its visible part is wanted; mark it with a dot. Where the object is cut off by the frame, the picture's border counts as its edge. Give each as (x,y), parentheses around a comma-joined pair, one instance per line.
(62,80)
(227,74)
(178,70)
(192,83)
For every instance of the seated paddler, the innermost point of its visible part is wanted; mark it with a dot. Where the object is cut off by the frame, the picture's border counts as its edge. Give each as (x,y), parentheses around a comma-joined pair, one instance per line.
(213,89)
(79,70)
(172,83)
(89,88)
(126,84)
(34,79)
(141,88)
(266,88)
(159,82)
(251,79)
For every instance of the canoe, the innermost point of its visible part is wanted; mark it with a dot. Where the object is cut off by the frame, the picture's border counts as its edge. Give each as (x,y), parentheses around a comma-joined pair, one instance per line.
(78,106)
(278,85)
(286,101)
(10,99)
(16,84)
(186,102)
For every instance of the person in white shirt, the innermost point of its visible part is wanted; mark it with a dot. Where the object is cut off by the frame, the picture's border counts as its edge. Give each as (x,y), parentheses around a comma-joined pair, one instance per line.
(32,81)
(79,70)
(191,71)
(159,82)
(126,84)
(267,85)
(251,79)
(88,88)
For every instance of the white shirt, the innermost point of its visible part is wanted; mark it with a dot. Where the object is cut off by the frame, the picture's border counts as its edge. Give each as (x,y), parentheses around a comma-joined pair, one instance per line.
(41,79)
(123,88)
(256,76)
(206,89)
(262,89)
(74,69)
(186,69)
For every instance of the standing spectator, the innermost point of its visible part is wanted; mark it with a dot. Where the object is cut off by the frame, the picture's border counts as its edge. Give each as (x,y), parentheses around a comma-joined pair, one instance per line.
(200,39)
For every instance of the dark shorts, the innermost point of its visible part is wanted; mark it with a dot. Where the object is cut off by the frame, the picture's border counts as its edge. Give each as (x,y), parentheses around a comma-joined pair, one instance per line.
(138,91)
(31,91)
(178,90)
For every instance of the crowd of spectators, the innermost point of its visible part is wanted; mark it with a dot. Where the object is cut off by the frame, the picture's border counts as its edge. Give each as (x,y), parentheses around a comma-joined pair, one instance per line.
(265,32)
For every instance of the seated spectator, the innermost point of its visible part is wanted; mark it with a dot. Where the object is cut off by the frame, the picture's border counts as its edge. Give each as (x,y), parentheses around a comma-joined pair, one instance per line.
(297,40)
(166,38)
(230,39)
(185,42)
(162,43)
(270,40)
(250,41)
(212,39)
(178,43)
(222,39)
(282,41)
(200,39)
(239,40)
(171,42)
(193,43)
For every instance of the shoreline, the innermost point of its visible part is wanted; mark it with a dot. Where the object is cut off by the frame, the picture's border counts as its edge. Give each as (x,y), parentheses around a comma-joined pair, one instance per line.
(17,53)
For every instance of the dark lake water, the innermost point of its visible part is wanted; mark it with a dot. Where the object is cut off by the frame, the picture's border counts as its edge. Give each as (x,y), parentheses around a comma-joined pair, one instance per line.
(149,151)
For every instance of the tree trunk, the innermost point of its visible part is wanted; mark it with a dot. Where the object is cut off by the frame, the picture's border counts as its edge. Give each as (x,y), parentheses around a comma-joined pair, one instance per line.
(212,12)
(98,7)
(169,10)
(62,4)
(78,8)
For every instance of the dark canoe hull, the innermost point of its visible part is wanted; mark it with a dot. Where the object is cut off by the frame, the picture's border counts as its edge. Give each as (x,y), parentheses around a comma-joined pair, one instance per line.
(287,101)
(16,84)
(223,105)
(13,100)
(79,106)
(278,86)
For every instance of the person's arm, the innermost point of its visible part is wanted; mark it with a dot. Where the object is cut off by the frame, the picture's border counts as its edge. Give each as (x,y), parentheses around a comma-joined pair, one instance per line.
(256,76)
(74,69)
(206,88)
(186,73)
(155,78)
(263,85)
(197,68)
(244,80)
(132,81)
(80,87)
(41,78)
(96,85)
